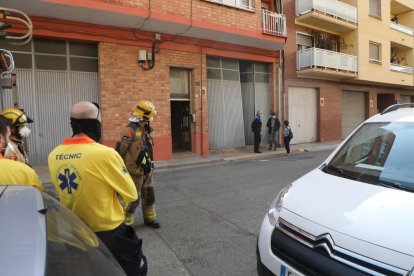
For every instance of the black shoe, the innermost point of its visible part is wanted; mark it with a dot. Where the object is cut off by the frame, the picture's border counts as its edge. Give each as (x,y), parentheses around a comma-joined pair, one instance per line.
(153,224)
(257,151)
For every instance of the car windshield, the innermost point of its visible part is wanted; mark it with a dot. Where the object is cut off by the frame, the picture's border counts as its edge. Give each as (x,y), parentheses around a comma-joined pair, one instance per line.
(378,153)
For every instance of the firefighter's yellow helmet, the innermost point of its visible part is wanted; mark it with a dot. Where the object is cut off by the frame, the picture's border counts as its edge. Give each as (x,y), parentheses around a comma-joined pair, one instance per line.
(144,110)
(16,116)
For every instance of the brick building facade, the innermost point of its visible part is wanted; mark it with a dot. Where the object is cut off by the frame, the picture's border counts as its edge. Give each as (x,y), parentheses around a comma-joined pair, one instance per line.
(183,36)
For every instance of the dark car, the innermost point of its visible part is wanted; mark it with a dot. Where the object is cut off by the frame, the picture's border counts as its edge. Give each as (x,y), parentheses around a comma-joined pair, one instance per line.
(40,236)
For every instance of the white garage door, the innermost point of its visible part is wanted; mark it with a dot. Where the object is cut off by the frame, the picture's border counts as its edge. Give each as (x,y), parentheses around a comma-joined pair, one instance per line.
(51,77)
(303,114)
(353,111)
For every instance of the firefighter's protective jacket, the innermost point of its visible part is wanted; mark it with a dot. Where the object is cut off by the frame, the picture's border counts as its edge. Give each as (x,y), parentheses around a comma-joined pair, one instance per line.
(17,173)
(17,151)
(134,140)
(88,178)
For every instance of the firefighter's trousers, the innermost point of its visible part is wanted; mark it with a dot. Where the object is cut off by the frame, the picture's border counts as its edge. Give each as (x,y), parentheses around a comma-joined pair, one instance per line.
(145,189)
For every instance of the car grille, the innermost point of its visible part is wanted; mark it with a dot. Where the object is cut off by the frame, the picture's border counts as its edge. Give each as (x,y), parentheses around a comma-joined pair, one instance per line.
(319,255)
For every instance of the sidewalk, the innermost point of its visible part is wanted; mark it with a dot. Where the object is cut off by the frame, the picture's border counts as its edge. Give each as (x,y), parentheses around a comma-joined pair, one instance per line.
(189,160)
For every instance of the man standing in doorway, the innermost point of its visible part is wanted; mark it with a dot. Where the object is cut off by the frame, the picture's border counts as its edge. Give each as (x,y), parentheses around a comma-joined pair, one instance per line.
(257,128)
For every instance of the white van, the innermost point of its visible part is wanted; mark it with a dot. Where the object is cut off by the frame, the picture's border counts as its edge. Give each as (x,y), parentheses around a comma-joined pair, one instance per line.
(354,214)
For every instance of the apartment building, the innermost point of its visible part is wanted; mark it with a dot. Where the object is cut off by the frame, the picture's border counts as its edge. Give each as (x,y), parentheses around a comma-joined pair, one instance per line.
(207,65)
(345,61)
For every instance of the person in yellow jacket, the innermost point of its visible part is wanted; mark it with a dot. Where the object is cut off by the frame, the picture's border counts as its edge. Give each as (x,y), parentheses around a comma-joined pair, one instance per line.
(12,172)
(92,181)
(19,132)
(136,149)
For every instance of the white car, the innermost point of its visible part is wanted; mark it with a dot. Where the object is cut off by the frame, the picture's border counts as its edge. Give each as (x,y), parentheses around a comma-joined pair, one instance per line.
(354,214)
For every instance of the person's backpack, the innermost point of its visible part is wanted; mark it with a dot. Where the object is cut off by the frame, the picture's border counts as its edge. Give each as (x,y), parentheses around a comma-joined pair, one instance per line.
(290,134)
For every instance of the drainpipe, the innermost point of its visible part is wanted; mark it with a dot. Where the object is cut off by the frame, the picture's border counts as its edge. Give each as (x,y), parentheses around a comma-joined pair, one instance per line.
(282,60)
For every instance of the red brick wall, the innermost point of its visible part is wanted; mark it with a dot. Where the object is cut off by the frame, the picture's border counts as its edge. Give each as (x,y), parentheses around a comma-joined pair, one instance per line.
(201,11)
(123,82)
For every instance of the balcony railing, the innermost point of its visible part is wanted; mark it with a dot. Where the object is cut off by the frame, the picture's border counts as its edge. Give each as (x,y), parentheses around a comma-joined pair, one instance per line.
(320,58)
(401,28)
(273,23)
(334,8)
(401,68)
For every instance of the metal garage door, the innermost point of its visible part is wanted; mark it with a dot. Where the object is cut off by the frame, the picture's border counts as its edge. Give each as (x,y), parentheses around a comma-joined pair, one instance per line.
(405,99)
(51,77)
(254,79)
(225,110)
(303,114)
(353,111)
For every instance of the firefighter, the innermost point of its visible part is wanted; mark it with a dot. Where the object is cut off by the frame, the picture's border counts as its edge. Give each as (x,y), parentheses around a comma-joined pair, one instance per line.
(14,172)
(19,132)
(92,181)
(136,148)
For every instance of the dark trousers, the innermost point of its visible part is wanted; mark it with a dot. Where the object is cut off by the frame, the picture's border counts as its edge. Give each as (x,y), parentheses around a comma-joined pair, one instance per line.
(286,140)
(126,247)
(257,140)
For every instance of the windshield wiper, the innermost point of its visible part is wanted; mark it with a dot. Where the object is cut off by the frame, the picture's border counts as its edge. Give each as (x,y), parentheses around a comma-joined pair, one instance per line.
(376,181)
(394,185)
(341,172)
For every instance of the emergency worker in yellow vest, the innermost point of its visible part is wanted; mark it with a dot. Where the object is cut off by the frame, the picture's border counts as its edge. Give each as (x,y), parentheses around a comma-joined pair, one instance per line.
(12,172)
(92,181)
(19,132)
(136,149)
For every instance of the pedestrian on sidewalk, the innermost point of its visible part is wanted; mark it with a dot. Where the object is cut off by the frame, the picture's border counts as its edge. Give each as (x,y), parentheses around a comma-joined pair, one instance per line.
(273,125)
(287,136)
(136,149)
(92,181)
(257,128)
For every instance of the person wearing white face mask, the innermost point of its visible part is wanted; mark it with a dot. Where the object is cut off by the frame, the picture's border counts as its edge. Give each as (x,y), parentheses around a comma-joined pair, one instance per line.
(19,132)
(136,149)
(12,172)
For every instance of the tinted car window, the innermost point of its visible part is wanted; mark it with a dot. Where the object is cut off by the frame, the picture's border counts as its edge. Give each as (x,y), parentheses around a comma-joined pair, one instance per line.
(378,153)
(72,247)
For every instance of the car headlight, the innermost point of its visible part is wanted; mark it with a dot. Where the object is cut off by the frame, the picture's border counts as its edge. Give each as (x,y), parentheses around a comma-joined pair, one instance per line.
(277,205)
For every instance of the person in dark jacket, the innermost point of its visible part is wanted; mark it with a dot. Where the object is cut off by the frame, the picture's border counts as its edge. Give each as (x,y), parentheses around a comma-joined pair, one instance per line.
(273,124)
(257,128)
(287,136)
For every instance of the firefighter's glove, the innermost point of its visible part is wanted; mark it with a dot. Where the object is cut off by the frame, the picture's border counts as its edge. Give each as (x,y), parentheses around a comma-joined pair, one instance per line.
(145,162)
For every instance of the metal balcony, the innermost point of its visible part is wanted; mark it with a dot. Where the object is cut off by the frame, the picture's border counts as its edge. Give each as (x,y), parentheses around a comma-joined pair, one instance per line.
(273,23)
(325,64)
(330,15)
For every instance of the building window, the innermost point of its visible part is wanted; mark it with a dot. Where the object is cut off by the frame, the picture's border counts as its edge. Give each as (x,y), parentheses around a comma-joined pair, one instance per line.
(240,4)
(303,41)
(179,83)
(375,8)
(374,52)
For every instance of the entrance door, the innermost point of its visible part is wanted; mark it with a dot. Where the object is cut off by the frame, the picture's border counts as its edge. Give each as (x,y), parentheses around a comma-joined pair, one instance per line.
(180,126)
(180,110)
(303,114)
(353,111)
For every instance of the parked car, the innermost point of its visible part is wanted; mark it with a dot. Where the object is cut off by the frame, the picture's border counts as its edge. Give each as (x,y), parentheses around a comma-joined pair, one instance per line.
(354,214)
(40,236)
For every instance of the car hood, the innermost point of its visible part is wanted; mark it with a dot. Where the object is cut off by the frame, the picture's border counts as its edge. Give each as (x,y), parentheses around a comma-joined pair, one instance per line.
(374,214)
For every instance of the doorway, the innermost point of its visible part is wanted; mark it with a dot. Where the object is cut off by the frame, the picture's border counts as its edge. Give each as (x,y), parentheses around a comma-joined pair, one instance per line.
(181,126)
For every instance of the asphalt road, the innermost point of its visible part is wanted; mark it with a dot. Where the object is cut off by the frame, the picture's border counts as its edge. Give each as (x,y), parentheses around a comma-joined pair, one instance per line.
(210,215)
